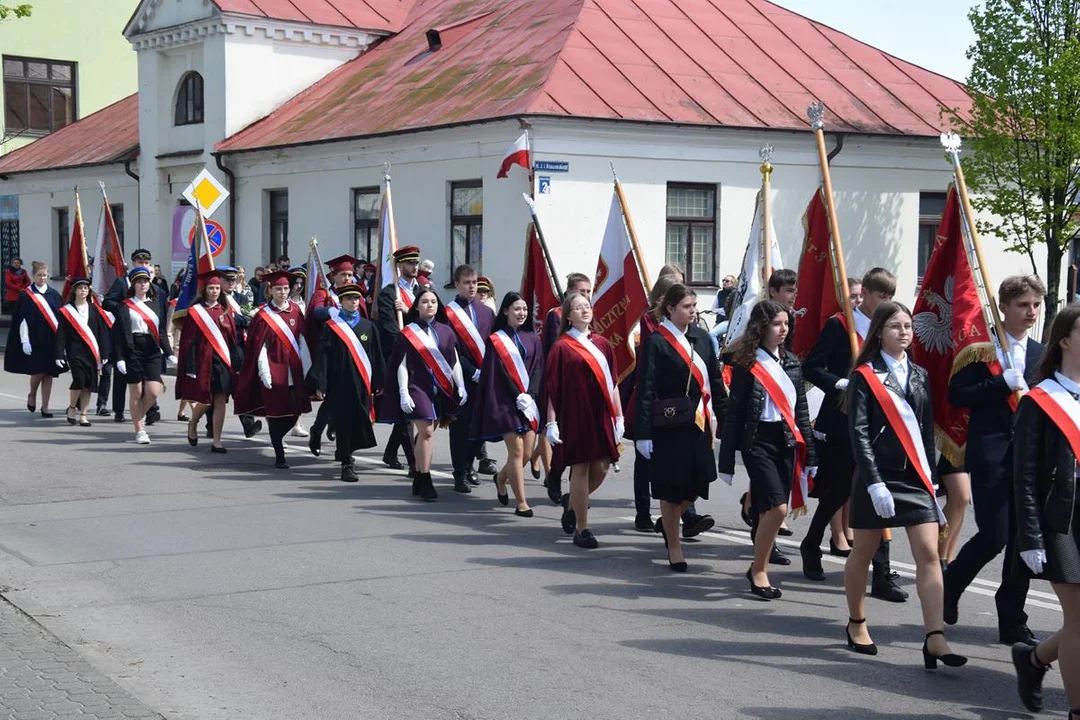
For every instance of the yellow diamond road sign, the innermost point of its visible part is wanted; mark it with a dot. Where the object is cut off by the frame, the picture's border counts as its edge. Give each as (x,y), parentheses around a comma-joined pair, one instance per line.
(206,193)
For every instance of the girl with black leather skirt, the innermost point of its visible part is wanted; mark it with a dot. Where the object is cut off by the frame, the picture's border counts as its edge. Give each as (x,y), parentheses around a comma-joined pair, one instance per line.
(891,424)
(1046,445)
(143,340)
(767,418)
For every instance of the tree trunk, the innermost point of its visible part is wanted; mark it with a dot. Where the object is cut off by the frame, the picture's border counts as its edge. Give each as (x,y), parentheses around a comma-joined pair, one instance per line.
(1054,254)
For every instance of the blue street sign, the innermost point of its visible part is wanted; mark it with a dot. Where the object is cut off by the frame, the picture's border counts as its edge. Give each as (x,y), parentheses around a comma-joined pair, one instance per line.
(545,184)
(552,166)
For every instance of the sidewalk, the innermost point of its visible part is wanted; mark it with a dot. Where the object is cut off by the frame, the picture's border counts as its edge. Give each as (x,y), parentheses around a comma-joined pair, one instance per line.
(43,679)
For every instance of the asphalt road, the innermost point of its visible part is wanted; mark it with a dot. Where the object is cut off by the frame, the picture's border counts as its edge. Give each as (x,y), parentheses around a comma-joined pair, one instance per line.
(216,587)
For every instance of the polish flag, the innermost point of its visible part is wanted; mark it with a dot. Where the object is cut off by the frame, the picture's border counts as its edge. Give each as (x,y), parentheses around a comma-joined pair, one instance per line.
(108,258)
(517,154)
(619,297)
(77,266)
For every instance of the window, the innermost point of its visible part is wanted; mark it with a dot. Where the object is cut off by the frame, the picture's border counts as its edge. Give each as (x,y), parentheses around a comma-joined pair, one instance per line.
(118,221)
(931,208)
(366,223)
(39,95)
(279,223)
(63,241)
(466,223)
(189,100)
(691,231)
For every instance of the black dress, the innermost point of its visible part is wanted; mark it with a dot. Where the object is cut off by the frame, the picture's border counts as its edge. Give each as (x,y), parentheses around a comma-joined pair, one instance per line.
(879,456)
(143,353)
(682,465)
(42,357)
(71,348)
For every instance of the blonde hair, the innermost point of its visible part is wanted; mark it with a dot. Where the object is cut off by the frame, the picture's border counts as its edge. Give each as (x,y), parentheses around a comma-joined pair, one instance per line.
(38,265)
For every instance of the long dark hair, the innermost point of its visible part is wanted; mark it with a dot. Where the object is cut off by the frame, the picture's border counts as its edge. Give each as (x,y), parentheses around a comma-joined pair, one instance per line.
(872,346)
(564,321)
(744,349)
(1064,322)
(502,322)
(413,315)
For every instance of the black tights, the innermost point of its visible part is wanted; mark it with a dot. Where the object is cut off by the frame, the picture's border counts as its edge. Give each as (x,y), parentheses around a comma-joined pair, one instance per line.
(836,494)
(279,428)
(401,437)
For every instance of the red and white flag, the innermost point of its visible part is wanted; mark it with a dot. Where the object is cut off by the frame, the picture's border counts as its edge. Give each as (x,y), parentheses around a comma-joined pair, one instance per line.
(388,243)
(518,154)
(108,257)
(751,286)
(818,298)
(619,295)
(537,287)
(77,265)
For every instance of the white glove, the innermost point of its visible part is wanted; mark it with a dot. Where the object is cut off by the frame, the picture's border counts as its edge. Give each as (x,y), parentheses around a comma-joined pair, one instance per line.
(27,350)
(60,363)
(476,376)
(523,402)
(551,432)
(811,472)
(728,478)
(841,384)
(191,375)
(884,505)
(620,428)
(171,361)
(463,395)
(645,448)
(267,382)
(1015,379)
(405,400)
(1034,559)
(121,367)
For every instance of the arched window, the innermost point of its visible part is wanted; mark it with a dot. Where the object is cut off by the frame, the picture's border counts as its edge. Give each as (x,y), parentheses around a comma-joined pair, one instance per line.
(189,100)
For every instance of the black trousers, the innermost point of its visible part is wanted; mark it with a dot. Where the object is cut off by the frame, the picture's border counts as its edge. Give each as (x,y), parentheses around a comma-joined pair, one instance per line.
(991,494)
(104,384)
(463,450)
(840,469)
(400,437)
(322,418)
(279,428)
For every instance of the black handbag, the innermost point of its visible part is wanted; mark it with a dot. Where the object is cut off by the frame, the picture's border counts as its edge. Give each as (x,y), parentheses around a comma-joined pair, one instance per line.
(673,412)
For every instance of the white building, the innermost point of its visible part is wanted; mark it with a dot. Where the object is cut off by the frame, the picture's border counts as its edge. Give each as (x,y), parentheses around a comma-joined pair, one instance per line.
(299,112)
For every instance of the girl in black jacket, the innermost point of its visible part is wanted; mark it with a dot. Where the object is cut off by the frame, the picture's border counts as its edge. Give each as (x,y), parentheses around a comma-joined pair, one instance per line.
(892,437)
(1048,529)
(768,420)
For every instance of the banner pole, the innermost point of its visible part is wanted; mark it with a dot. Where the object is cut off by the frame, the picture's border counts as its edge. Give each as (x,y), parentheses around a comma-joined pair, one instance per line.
(544,246)
(766,154)
(643,270)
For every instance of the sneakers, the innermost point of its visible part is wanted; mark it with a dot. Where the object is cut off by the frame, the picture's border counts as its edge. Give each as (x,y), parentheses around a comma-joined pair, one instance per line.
(348,474)
(298,431)
(141,438)
(585,539)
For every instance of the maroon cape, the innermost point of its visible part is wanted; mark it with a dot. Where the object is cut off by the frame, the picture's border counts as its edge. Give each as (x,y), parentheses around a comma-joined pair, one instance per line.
(580,406)
(495,413)
(197,356)
(251,398)
(429,401)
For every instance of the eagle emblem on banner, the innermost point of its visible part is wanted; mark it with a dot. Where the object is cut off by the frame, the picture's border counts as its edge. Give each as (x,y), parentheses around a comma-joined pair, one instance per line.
(934,327)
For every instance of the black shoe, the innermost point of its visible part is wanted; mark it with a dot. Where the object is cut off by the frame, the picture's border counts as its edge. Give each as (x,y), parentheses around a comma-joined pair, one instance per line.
(569,519)
(861,648)
(314,443)
(348,474)
(181,417)
(833,550)
(746,517)
(785,532)
(70,415)
(102,411)
(778,558)
(280,464)
(487,466)
(119,417)
(765,592)
(930,661)
(535,470)
(644,523)
(330,434)
(675,566)
(1016,634)
(460,485)
(416,486)
(472,479)
(811,563)
(504,498)
(527,512)
(219,449)
(47,415)
(697,524)
(393,463)
(83,422)
(554,488)
(1029,677)
(253,429)
(153,415)
(209,432)
(585,539)
(884,587)
(412,471)
(427,488)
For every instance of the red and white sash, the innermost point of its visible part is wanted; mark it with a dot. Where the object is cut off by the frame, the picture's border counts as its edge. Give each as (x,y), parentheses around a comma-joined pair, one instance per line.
(82,326)
(405,295)
(211,332)
(334,299)
(466,330)
(235,308)
(1062,408)
(107,316)
(783,395)
(598,364)
(43,305)
(861,327)
(147,315)
(902,420)
(274,321)
(508,353)
(698,369)
(429,352)
(356,350)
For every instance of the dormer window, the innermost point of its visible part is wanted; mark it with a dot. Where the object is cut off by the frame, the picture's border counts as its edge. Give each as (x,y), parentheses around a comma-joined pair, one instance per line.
(189,100)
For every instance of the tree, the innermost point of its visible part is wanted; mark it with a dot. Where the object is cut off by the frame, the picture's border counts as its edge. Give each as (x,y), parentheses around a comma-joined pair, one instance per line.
(14,11)
(1023,129)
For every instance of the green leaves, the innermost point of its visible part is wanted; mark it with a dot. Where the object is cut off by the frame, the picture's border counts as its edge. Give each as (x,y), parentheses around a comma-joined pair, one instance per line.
(15,11)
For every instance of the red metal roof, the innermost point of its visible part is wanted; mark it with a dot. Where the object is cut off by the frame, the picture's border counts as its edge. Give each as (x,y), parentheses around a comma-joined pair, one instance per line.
(109,135)
(361,14)
(732,63)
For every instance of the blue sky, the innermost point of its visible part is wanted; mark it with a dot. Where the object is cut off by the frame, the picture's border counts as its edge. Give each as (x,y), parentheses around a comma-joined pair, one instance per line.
(932,33)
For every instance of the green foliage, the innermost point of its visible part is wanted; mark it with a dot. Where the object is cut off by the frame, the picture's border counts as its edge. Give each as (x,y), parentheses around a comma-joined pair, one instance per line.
(1024,130)
(22,10)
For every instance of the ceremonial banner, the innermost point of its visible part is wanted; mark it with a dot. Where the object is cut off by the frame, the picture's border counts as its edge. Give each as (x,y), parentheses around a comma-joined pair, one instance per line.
(619,296)
(536,283)
(818,297)
(388,244)
(108,256)
(200,260)
(77,265)
(950,328)
(752,285)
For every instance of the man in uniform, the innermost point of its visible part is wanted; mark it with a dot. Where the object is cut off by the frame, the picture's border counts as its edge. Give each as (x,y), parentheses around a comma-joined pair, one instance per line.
(394,299)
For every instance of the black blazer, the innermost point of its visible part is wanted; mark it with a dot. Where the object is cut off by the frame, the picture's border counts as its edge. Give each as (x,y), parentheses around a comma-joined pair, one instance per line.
(878,452)
(990,431)
(744,406)
(828,362)
(663,374)
(122,330)
(387,321)
(1044,480)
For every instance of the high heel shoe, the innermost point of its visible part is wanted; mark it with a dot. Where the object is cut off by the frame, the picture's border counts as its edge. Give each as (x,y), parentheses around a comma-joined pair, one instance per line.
(46,414)
(526,513)
(833,550)
(70,415)
(949,659)
(675,567)
(861,648)
(765,592)
(746,518)
(504,499)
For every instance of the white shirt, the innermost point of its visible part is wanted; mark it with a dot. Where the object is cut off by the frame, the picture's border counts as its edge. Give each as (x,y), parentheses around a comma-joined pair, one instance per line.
(769,411)
(83,310)
(138,325)
(899,369)
(1018,351)
(1069,385)
(862,322)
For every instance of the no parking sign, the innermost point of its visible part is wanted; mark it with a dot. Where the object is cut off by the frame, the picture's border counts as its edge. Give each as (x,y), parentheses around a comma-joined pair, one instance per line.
(215,233)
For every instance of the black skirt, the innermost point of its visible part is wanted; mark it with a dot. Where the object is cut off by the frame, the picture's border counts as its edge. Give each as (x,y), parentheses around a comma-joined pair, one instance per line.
(914,504)
(220,377)
(682,464)
(84,375)
(144,365)
(771,467)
